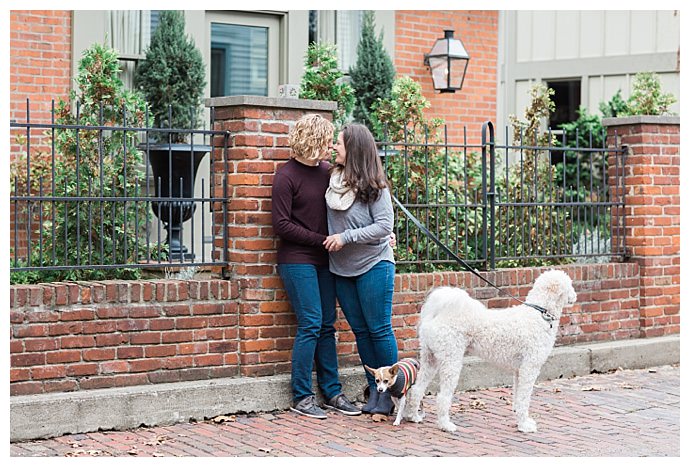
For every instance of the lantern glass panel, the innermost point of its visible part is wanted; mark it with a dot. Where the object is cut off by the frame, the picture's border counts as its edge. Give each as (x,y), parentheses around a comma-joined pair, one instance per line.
(439,71)
(440,47)
(457,50)
(457,72)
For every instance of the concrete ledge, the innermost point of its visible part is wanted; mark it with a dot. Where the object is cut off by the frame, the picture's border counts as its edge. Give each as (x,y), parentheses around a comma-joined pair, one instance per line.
(49,415)
(278,102)
(642,119)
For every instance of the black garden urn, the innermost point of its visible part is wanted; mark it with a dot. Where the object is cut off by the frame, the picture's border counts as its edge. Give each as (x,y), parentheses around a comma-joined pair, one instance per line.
(174,169)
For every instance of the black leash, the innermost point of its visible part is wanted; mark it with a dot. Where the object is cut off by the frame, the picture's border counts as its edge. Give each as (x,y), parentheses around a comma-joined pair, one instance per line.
(548,317)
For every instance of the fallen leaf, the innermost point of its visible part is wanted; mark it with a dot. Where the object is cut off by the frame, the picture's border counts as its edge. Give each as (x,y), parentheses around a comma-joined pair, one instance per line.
(377,417)
(224,418)
(652,370)
(266,450)
(557,390)
(158,440)
(591,388)
(477,404)
(158,454)
(76,453)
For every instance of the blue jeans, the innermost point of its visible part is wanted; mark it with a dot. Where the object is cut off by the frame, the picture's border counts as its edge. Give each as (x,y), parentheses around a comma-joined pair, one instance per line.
(367,302)
(311,291)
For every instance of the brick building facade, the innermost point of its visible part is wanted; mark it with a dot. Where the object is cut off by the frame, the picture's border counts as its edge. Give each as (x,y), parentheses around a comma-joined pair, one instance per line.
(415,34)
(40,61)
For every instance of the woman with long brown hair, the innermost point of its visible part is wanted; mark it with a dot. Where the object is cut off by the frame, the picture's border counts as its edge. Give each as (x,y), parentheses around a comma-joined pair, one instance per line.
(360,221)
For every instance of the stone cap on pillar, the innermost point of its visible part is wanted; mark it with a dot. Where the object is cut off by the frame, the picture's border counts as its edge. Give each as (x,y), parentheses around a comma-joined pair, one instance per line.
(641,120)
(278,102)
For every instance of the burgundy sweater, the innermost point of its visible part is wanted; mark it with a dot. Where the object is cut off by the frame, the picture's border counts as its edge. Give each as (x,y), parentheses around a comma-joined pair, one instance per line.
(299,212)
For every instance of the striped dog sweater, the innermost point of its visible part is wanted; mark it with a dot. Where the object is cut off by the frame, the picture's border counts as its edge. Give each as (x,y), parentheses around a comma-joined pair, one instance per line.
(407,375)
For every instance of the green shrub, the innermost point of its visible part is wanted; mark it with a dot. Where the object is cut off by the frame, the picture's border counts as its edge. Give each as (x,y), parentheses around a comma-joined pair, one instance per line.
(584,171)
(646,97)
(373,74)
(322,80)
(532,228)
(93,163)
(421,173)
(615,107)
(172,77)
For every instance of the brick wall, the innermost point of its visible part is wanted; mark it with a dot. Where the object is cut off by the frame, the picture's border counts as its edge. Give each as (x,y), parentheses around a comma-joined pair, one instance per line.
(90,335)
(77,336)
(40,67)
(652,207)
(415,34)
(40,62)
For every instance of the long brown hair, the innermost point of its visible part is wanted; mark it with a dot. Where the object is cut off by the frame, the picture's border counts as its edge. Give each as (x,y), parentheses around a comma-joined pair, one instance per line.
(363,169)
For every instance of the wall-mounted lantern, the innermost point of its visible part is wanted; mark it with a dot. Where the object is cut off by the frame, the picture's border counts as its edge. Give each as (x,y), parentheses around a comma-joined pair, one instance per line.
(448,63)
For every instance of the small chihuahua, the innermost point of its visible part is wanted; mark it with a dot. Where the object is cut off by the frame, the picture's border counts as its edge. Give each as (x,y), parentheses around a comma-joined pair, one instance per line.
(397,380)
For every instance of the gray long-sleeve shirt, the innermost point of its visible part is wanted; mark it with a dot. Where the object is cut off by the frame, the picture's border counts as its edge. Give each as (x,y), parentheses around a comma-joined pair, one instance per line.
(365,230)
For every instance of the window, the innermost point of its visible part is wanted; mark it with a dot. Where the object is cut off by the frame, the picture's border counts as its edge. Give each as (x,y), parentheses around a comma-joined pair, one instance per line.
(342,28)
(348,29)
(243,53)
(239,60)
(566,100)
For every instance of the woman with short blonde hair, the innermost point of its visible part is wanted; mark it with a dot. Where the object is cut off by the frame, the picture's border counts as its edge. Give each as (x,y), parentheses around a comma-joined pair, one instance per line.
(311,136)
(299,219)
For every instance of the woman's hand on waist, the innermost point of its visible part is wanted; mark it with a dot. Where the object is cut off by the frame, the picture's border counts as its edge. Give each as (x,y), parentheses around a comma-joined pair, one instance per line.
(334,242)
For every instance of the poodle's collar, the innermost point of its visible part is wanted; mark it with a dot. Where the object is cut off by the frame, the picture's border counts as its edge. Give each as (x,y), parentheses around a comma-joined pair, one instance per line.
(546,314)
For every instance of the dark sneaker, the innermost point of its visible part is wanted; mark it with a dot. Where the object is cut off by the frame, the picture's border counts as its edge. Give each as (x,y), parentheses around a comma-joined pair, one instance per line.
(343,405)
(308,408)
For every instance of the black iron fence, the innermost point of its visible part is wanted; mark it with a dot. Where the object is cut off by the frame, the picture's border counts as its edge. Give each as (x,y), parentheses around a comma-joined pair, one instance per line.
(519,203)
(95,196)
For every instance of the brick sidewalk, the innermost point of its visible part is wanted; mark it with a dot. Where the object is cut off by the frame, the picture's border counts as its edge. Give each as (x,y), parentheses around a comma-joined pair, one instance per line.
(626,413)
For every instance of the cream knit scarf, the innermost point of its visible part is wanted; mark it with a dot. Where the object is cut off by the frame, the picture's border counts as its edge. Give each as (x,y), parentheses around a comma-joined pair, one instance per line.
(338,196)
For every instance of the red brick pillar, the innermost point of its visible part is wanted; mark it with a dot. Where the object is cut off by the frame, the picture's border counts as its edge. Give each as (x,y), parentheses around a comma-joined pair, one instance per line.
(259,129)
(652,208)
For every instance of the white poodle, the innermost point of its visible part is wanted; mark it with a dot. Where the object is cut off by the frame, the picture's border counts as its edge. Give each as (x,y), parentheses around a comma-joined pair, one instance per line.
(518,338)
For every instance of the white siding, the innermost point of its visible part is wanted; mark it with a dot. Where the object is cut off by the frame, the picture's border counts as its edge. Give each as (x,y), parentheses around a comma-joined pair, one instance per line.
(549,35)
(543,35)
(667,31)
(611,85)
(523,37)
(616,33)
(591,33)
(604,49)
(670,82)
(643,26)
(596,93)
(567,39)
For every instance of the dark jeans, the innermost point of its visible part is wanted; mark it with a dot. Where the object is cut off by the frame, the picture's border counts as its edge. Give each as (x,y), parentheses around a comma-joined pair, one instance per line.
(311,290)
(367,302)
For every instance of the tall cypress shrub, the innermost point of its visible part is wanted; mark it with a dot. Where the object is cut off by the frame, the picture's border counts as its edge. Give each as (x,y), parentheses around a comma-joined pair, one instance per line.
(172,76)
(373,73)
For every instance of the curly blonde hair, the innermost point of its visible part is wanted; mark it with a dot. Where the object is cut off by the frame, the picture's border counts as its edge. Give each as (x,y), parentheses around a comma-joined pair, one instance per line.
(310,135)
